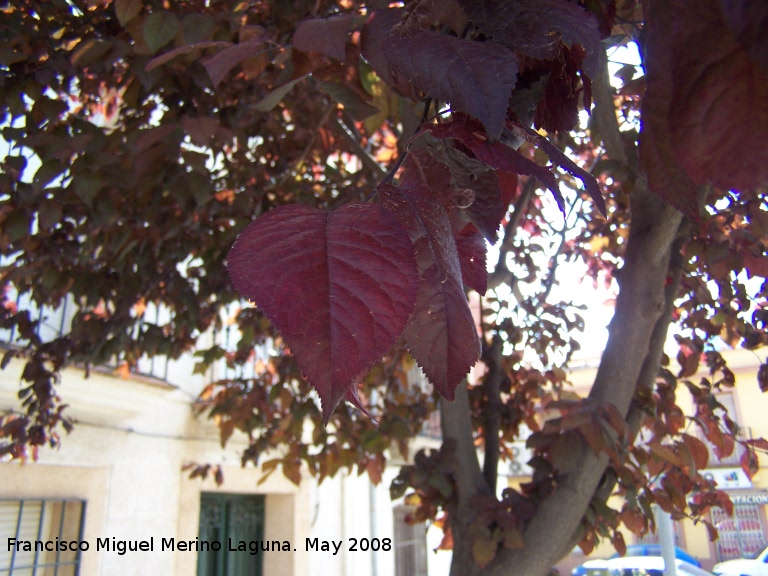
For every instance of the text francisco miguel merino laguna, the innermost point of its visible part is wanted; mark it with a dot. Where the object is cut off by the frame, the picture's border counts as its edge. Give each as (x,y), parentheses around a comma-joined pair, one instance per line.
(122,547)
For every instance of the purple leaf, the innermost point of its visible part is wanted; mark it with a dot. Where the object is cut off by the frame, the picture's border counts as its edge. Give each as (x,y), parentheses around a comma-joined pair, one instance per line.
(475,77)
(441,332)
(536,27)
(718,114)
(339,286)
(324,35)
(665,176)
(472,253)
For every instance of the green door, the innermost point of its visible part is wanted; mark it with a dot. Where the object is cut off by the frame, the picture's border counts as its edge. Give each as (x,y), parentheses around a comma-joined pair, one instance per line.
(231,518)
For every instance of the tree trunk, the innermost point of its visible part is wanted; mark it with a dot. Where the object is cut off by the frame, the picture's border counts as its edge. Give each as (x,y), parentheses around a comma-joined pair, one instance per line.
(640,303)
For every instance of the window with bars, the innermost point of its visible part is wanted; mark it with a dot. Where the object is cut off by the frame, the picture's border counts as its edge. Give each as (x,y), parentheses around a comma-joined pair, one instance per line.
(741,535)
(410,545)
(45,525)
(239,517)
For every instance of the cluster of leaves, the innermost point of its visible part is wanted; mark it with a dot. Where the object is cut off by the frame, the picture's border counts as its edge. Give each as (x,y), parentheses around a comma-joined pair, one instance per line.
(162,132)
(342,287)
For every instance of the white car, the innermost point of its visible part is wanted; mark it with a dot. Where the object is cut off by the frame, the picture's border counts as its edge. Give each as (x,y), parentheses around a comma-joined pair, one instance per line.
(639,566)
(757,566)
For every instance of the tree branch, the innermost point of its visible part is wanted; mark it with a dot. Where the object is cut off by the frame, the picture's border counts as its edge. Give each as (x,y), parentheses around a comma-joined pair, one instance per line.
(501,273)
(639,306)
(492,426)
(605,113)
(456,424)
(368,161)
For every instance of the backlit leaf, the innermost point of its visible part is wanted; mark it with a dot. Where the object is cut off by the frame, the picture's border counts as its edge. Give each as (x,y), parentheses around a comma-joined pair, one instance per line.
(355,106)
(160,28)
(749,463)
(441,333)
(483,551)
(339,286)
(698,451)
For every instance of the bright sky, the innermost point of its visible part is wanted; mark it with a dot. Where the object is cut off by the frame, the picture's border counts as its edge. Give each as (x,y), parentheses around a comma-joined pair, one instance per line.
(572,285)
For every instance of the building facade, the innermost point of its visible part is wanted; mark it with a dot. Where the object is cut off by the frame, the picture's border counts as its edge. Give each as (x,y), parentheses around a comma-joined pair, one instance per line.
(115,500)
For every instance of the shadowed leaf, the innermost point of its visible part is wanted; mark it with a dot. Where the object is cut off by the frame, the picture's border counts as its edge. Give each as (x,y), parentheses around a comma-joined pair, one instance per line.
(472,252)
(441,333)
(475,77)
(218,66)
(495,154)
(719,100)
(536,27)
(325,35)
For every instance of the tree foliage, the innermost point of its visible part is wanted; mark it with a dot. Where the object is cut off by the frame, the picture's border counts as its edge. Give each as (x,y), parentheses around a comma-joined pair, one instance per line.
(364,154)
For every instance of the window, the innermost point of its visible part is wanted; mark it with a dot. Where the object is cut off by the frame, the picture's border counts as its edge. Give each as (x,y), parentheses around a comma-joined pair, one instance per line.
(51,531)
(410,545)
(236,518)
(741,535)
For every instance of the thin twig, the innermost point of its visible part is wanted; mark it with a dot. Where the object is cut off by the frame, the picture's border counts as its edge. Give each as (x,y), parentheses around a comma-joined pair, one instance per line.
(368,160)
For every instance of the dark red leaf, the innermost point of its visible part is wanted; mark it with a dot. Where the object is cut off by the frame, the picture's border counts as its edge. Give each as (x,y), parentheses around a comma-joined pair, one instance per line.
(665,177)
(719,100)
(422,169)
(324,35)
(465,184)
(374,34)
(339,285)
(749,22)
(756,265)
(758,443)
(472,251)
(536,27)
(487,208)
(698,451)
(749,463)
(441,333)
(475,77)
(558,157)
(558,109)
